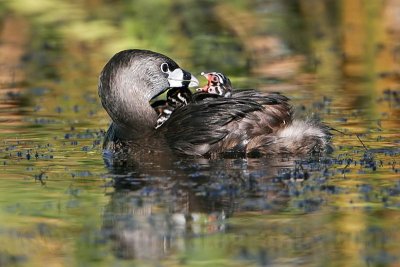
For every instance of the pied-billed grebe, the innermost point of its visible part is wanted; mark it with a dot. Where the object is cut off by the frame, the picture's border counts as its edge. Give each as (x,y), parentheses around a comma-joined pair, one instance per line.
(248,121)
(176,97)
(217,83)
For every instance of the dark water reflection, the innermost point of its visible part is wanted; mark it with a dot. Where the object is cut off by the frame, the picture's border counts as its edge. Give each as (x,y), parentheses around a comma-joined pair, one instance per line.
(264,211)
(150,216)
(67,203)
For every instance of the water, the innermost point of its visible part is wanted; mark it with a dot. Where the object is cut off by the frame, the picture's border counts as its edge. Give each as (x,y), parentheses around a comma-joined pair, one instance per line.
(62,205)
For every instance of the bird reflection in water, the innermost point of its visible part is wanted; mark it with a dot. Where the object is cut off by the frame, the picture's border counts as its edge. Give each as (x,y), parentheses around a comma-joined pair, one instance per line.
(158,206)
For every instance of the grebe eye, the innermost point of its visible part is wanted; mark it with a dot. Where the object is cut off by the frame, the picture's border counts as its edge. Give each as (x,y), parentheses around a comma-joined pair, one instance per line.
(215,79)
(165,68)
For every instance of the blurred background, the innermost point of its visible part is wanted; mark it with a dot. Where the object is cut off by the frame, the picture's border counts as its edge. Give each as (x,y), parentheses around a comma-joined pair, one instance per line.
(338,60)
